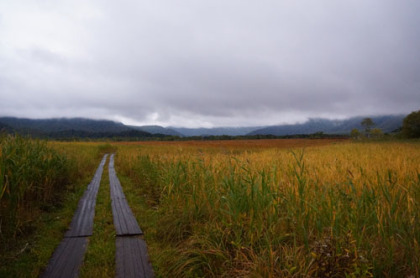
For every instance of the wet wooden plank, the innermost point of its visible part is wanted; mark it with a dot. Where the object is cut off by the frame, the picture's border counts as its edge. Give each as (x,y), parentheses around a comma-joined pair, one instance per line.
(131,258)
(131,251)
(93,187)
(114,183)
(124,221)
(82,223)
(67,258)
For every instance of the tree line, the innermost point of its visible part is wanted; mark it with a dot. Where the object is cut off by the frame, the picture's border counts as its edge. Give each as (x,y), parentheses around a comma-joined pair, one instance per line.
(409,129)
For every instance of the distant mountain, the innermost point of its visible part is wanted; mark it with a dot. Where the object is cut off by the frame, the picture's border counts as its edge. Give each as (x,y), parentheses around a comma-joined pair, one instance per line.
(71,127)
(217,131)
(387,123)
(5,128)
(155,129)
(63,124)
(87,128)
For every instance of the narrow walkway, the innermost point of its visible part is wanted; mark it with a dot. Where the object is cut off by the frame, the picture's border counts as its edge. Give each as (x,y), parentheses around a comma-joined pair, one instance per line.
(131,251)
(124,221)
(68,257)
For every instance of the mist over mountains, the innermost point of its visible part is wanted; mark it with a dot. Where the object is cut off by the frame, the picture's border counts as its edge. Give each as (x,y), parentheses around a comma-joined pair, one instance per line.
(88,128)
(386,123)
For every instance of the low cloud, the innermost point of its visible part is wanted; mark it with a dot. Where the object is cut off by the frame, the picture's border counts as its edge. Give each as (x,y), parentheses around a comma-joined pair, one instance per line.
(208,63)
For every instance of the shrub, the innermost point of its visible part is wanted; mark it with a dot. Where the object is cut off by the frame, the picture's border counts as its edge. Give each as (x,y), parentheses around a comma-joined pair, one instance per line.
(411,125)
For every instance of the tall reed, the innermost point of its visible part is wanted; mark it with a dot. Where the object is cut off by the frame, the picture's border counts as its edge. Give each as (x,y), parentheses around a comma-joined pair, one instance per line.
(32,176)
(339,210)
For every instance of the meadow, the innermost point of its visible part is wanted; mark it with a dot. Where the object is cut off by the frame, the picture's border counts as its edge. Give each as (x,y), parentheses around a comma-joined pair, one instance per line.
(279,208)
(238,208)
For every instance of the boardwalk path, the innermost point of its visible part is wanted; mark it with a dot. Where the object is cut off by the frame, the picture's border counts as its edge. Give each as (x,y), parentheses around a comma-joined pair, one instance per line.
(131,250)
(67,258)
(131,254)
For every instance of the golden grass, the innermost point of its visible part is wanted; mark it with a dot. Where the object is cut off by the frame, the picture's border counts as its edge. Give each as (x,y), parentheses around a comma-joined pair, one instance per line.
(268,208)
(281,208)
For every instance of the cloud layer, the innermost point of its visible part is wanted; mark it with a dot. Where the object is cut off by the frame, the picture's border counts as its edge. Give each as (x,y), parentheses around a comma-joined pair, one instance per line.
(209,63)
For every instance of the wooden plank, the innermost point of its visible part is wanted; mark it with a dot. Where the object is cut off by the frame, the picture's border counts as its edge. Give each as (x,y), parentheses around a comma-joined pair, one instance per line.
(132,259)
(82,223)
(93,187)
(124,221)
(115,185)
(116,189)
(131,251)
(67,258)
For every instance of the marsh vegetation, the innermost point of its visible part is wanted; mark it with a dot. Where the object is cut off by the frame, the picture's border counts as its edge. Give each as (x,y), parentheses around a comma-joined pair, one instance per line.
(269,208)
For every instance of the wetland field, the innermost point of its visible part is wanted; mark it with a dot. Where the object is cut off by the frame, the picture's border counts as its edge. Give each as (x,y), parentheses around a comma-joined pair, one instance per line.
(235,208)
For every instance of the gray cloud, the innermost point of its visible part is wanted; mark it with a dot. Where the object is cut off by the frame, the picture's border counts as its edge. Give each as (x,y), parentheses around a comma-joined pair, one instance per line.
(209,63)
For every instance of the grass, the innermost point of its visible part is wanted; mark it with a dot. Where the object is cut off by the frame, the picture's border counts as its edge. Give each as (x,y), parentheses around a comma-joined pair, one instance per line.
(336,210)
(262,208)
(32,251)
(32,177)
(33,224)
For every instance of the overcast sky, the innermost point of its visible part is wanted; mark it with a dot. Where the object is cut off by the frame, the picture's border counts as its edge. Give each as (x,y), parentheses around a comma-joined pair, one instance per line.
(209,63)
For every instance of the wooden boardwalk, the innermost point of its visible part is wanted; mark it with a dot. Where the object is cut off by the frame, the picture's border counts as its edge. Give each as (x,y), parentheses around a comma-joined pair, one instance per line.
(131,250)
(131,258)
(68,257)
(124,221)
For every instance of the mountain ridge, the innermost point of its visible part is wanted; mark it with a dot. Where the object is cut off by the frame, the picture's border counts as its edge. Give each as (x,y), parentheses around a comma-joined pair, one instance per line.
(156,129)
(62,128)
(216,131)
(83,127)
(387,123)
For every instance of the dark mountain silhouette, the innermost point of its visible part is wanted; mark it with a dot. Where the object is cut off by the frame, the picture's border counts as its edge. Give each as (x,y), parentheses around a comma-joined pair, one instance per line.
(155,129)
(5,128)
(71,128)
(63,124)
(387,123)
(217,131)
(87,128)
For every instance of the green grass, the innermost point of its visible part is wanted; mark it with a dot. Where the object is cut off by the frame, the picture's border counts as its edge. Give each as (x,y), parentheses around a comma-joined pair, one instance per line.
(32,178)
